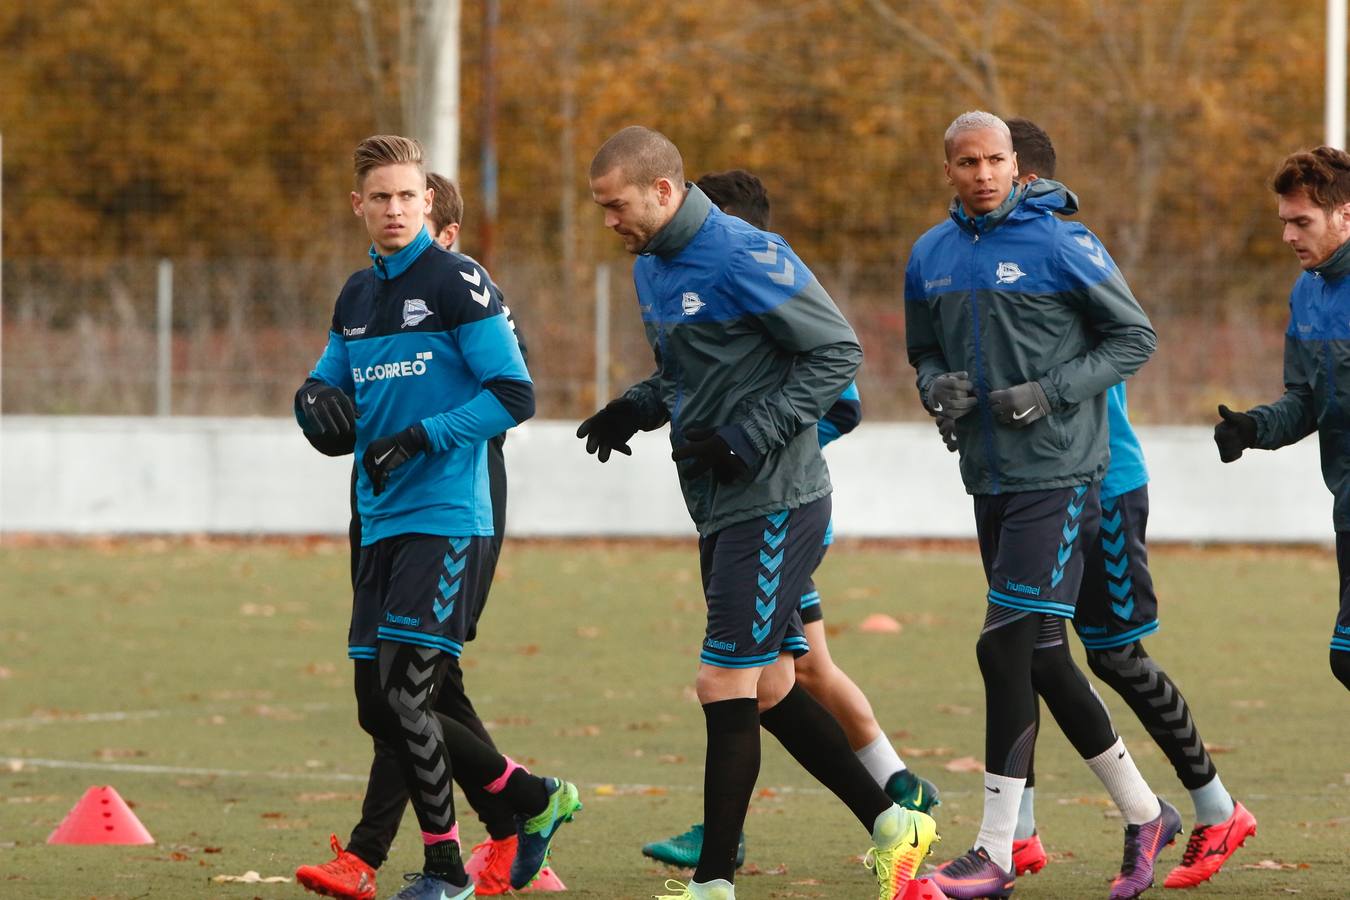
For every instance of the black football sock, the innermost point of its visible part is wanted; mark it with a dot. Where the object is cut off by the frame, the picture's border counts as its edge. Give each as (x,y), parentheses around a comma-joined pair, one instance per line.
(816,740)
(729,774)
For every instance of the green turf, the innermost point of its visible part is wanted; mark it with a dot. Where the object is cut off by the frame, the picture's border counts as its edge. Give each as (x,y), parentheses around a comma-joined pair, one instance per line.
(232,658)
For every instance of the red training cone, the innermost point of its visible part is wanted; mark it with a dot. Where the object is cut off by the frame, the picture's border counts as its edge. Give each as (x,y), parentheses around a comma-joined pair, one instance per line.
(101,817)
(548,880)
(923,889)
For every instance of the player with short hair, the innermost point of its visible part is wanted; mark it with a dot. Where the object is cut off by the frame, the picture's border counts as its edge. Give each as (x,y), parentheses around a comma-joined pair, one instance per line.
(750,353)
(1116,609)
(742,194)
(351,872)
(1314,205)
(421,346)
(1017,322)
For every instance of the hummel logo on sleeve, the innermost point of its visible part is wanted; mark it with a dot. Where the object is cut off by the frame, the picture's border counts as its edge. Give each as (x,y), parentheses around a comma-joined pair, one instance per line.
(1094,252)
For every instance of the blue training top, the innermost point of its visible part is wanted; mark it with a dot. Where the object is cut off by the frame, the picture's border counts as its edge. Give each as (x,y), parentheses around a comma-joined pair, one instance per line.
(1126,471)
(420,337)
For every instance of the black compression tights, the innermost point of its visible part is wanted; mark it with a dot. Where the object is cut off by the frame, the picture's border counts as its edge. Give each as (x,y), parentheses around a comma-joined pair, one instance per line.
(1019,658)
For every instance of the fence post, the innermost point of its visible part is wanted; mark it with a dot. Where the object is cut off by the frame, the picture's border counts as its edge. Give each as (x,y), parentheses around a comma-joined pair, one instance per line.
(601,334)
(164,327)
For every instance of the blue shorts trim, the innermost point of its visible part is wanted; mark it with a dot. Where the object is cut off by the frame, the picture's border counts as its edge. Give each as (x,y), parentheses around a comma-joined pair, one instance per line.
(361,652)
(454,648)
(1340,643)
(1119,640)
(738,662)
(1048,607)
(797,646)
(811,599)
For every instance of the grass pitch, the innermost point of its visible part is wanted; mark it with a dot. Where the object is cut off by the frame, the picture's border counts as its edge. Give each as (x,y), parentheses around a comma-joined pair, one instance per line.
(208,683)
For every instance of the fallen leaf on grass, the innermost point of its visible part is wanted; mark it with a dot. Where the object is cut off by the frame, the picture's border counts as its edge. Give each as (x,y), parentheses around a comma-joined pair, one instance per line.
(321,668)
(276,714)
(671,759)
(108,753)
(272,815)
(579,731)
(964,764)
(325,797)
(588,631)
(1247,704)
(47,798)
(1216,749)
(1274,865)
(766,793)
(6,672)
(752,869)
(251,877)
(604,790)
(953,709)
(926,751)
(14,765)
(528,650)
(1084,801)
(266,610)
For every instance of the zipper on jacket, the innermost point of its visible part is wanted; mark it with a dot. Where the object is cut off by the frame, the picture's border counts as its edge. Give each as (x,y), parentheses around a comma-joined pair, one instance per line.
(986,418)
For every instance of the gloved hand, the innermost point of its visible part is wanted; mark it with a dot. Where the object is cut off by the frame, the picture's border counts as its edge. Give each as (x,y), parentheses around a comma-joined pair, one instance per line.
(386,454)
(1019,405)
(610,429)
(1235,432)
(328,410)
(710,451)
(950,394)
(946,426)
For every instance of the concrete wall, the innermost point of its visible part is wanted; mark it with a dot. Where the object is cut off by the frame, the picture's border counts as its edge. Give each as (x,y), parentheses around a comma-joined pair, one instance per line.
(94,475)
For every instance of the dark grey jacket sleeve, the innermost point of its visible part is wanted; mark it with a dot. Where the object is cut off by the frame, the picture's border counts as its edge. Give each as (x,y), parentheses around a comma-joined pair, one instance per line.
(1291,418)
(1126,337)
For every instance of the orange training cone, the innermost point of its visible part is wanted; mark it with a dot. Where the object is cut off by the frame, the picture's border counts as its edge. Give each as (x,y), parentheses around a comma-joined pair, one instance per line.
(923,889)
(548,880)
(101,817)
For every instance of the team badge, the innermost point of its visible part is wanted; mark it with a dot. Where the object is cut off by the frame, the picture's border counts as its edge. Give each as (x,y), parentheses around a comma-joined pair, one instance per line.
(1008,272)
(691,303)
(414,311)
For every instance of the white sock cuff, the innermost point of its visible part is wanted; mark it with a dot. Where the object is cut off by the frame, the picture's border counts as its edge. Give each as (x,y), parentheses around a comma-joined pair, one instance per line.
(880,759)
(1121,777)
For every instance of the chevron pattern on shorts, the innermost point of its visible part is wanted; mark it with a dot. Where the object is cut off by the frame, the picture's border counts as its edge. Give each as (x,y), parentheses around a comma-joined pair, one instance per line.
(770,575)
(1069,533)
(1119,584)
(453,565)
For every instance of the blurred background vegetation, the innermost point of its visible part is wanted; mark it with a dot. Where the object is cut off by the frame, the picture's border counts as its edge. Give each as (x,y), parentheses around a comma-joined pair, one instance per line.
(219,136)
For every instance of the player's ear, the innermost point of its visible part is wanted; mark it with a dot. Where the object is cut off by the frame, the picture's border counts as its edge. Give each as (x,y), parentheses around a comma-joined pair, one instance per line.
(356,203)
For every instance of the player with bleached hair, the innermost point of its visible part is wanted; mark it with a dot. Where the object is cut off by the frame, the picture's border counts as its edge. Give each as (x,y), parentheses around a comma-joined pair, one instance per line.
(1017,322)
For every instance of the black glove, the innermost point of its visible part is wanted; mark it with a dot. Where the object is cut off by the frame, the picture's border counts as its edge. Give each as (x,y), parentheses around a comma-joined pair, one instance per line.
(946,426)
(610,429)
(327,410)
(950,394)
(1019,405)
(710,451)
(386,454)
(1235,432)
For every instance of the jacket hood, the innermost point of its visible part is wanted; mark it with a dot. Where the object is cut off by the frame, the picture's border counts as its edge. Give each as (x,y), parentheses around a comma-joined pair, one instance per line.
(1047,195)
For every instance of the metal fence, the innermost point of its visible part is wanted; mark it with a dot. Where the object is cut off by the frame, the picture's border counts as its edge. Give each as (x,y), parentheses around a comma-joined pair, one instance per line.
(96,337)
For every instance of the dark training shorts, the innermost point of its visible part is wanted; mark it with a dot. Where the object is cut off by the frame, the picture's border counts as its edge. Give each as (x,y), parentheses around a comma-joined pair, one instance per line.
(418,589)
(754,575)
(1116,604)
(1340,637)
(1033,546)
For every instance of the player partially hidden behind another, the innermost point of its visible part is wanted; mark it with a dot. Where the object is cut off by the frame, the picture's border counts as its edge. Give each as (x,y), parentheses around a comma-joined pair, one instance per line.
(1314,191)
(742,194)
(421,347)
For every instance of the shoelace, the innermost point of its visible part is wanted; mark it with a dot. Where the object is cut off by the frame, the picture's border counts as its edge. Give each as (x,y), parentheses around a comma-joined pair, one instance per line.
(874,860)
(1194,846)
(673,885)
(969,864)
